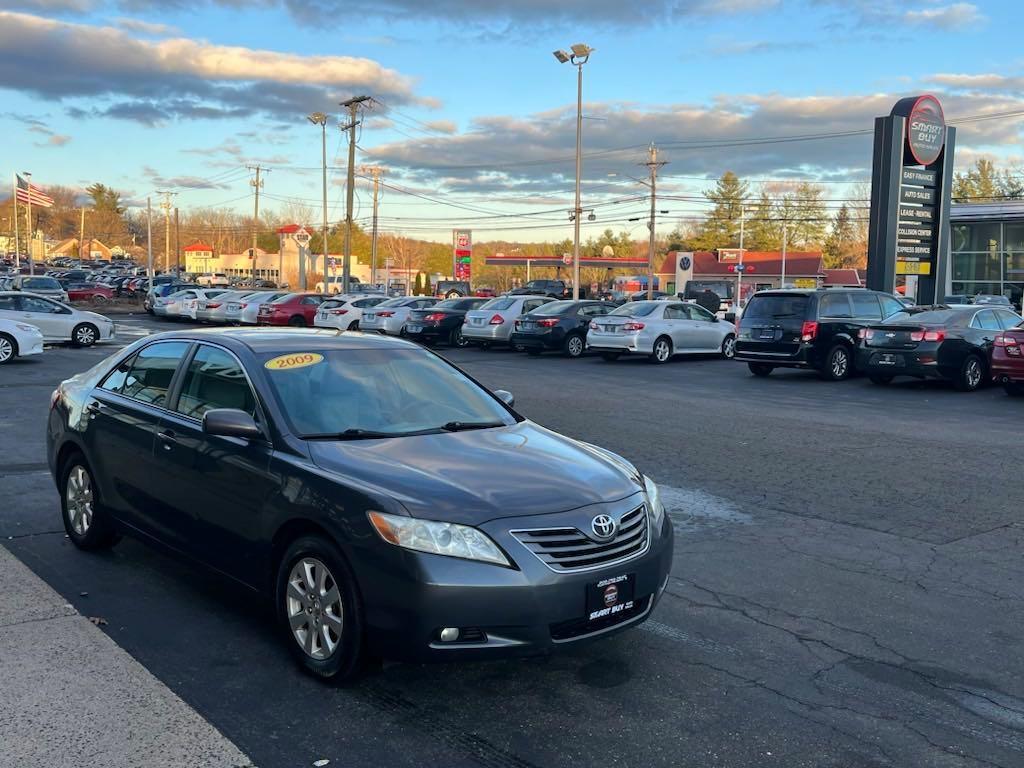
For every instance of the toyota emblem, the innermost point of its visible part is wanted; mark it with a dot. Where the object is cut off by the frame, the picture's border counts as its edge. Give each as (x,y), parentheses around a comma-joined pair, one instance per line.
(603,526)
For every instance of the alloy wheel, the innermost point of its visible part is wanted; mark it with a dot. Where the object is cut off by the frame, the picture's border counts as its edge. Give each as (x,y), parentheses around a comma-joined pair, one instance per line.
(972,373)
(729,348)
(575,346)
(78,494)
(314,608)
(6,349)
(840,363)
(85,335)
(662,351)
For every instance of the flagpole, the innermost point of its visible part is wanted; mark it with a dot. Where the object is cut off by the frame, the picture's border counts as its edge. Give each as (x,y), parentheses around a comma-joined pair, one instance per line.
(17,235)
(31,234)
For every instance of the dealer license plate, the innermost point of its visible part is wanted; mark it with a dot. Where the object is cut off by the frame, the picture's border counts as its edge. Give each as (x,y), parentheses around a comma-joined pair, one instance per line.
(234,307)
(413,328)
(887,359)
(610,596)
(767,333)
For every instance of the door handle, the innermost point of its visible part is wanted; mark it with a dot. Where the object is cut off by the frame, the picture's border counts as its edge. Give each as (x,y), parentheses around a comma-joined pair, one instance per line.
(168,439)
(93,408)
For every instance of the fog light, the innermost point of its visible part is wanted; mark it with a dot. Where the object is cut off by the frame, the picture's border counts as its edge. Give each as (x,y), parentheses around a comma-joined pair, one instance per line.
(449,634)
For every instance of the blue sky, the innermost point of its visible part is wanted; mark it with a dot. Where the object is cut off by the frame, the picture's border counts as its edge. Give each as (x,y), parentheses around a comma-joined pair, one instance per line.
(473,110)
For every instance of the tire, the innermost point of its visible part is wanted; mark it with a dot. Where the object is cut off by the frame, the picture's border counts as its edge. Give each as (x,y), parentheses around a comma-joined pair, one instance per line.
(85,520)
(297,321)
(456,339)
(8,348)
(662,350)
(98,300)
(84,335)
(574,346)
(880,379)
(761,369)
(838,364)
(971,375)
(453,295)
(354,325)
(319,609)
(1014,388)
(728,350)
(610,357)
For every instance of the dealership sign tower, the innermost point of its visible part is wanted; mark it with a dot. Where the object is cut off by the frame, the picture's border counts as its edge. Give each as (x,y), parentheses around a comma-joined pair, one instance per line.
(911,182)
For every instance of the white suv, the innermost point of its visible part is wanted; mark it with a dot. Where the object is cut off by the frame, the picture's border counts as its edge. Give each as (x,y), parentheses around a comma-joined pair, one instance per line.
(213,280)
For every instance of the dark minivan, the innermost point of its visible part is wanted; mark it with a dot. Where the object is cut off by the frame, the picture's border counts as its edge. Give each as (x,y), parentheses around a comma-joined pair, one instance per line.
(813,328)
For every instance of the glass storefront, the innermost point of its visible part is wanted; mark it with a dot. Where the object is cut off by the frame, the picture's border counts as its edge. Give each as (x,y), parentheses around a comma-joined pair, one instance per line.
(988,257)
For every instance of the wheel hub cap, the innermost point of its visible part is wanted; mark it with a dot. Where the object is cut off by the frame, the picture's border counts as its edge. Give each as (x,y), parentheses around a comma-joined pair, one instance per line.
(314,608)
(79,500)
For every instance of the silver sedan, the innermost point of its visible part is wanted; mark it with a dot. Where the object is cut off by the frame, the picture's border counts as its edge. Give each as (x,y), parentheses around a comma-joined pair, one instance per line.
(661,329)
(389,316)
(494,321)
(250,310)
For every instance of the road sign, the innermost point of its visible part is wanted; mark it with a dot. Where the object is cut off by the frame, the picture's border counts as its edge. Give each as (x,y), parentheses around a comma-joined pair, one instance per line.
(302,237)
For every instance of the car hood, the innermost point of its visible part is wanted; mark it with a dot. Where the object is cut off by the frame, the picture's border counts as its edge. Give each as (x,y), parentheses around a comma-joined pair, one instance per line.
(475,476)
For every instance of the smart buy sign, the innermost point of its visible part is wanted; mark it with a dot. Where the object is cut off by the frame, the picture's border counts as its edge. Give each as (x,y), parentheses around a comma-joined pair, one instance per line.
(926,130)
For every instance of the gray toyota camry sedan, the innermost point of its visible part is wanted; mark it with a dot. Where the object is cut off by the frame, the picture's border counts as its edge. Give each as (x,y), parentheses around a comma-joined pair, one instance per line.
(389,504)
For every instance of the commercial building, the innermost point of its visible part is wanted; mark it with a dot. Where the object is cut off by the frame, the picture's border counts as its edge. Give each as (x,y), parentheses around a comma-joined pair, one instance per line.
(761,270)
(987,247)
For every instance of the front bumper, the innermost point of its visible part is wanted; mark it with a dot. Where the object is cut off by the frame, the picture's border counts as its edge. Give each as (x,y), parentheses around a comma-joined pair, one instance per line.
(524,611)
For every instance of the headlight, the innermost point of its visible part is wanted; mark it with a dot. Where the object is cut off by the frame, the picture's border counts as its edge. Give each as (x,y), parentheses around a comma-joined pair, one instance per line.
(654,502)
(28,328)
(437,538)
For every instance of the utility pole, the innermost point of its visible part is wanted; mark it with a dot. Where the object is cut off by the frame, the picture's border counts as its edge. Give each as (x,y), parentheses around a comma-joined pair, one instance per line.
(352,105)
(177,242)
(653,164)
(375,172)
(739,272)
(31,232)
(257,185)
(81,236)
(149,241)
(782,282)
(166,205)
(319,118)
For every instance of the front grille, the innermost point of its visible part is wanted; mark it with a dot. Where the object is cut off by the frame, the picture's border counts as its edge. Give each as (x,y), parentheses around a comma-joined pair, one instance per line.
(569,549)
(567,630)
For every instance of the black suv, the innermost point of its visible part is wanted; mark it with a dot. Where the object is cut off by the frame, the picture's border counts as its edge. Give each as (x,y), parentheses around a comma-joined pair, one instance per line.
(808,329)
(556,289)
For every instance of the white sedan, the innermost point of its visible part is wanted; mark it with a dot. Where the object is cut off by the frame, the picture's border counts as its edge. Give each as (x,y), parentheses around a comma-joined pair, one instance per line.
(56,321)
(660,329)
(344,312)
(19,339)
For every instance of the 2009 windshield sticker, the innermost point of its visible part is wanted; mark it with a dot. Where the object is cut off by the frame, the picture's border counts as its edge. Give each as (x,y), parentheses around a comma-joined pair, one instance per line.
(296,360)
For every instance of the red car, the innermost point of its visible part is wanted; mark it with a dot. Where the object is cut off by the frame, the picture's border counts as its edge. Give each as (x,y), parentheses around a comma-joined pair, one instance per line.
(94,293)
(297,309)
(486,292)
(1008,360)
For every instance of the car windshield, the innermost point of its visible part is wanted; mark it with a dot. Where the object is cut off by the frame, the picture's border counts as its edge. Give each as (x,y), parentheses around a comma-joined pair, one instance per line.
(458,304)
(553,308)
(349,394)
(503,303)
(927,317)
(40,284)
(636,309)
(775,307)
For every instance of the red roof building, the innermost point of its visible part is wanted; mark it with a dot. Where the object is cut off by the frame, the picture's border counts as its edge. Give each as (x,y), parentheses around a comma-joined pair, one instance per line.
(199,247)
(762,269)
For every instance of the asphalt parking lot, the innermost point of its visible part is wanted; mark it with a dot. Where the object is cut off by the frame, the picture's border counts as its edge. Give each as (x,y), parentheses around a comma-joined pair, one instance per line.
(846,591)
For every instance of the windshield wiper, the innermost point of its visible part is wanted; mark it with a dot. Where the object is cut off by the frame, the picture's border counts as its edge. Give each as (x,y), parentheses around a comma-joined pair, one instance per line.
(353,434)
(461,426)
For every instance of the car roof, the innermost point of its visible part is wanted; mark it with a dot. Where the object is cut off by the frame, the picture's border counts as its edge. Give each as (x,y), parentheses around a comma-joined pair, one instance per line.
(285,340)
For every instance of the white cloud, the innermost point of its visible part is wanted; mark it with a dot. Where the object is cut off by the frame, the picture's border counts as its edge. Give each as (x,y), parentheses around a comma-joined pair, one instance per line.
(154,80)
(953,17)
(147,27)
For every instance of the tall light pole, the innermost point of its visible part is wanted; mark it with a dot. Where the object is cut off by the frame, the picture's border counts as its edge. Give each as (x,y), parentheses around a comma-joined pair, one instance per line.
(579,55)
(653,164)
(319,118)
(352,105)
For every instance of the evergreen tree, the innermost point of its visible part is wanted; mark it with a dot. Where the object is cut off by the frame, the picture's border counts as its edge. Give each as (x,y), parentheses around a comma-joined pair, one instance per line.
(722,226)
(810,218)
(763,231)
(841,247)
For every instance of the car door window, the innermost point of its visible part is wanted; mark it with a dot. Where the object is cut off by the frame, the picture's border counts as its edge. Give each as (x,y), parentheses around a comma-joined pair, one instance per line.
(1007,319)
(890,306)
(42,306)
(987,321)
(149,377)
(697,312)
(676,312)
(311,300)
(214,379)
(834,305)
(866,306)
(532,304)
(8,303)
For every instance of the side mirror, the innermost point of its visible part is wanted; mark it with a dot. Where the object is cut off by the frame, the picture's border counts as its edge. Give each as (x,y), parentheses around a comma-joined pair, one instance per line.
(714,318)
(505,396)
(231,422)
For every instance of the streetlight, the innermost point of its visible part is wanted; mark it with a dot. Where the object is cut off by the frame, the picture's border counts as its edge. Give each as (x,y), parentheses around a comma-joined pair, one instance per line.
(578,55)
(319,118)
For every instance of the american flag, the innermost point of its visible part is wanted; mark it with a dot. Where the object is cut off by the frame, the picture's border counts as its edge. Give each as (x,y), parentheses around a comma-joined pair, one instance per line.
(30,193)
